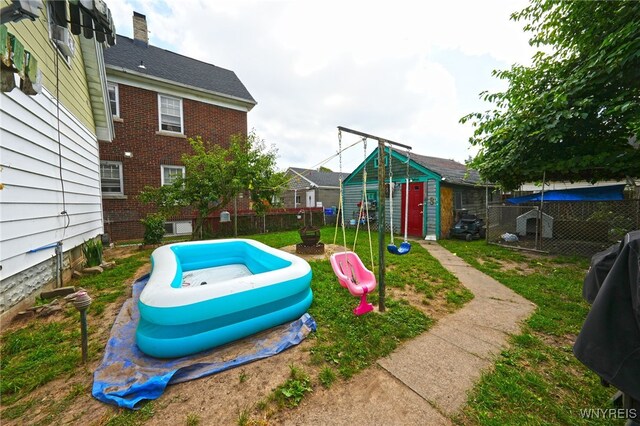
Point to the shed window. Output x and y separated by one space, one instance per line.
458 200
376 163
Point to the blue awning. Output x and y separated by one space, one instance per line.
594 193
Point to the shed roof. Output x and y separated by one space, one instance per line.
129 54
450 170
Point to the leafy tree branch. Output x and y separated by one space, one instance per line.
214 175
575 112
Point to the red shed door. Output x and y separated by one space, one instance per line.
416 198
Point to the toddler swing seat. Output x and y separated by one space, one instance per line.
354 276
405 247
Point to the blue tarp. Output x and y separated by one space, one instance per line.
127 376
595 193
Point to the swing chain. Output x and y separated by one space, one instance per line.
340 151
406 212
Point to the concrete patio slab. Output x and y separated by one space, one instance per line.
371 398
443 365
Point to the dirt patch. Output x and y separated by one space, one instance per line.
329 249
217 399
435 308
102 325
509 265
558 341
120 252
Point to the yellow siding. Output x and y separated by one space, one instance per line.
72 87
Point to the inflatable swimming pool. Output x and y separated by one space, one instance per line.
207 293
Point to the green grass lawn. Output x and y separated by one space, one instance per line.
349 343
537 381
342 346
35 355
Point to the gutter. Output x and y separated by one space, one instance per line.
248 103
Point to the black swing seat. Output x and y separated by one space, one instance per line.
404 248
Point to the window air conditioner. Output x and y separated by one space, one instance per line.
63 40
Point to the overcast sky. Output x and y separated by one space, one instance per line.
405 71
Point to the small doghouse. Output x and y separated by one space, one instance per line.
526 224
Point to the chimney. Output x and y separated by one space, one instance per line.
140 28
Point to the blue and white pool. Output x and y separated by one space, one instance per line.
207 293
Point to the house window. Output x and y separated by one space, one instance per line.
114 100
169 174
170 114
59 32
297 201
111 178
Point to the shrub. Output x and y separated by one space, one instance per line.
92 251
153 228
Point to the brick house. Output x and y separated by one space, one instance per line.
159 99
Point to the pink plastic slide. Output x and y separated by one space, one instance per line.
352 274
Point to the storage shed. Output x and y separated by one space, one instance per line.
439 190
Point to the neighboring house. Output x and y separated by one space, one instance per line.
159 99
311 188
49 165
439 189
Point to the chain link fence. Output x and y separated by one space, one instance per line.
568 227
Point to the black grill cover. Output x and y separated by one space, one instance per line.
609 342
601 264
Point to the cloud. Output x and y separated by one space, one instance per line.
405 71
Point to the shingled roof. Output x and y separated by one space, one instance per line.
320 178
450 170
129 54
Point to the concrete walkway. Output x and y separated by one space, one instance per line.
427 379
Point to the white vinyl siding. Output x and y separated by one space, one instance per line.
170 114
114 99
31 200
111 178
169 174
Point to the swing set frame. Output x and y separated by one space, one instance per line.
381 207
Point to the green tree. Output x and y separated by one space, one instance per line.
214 175
575 112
